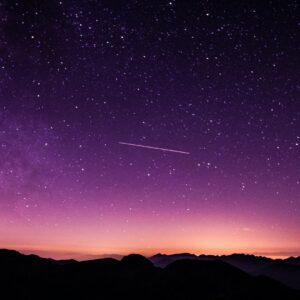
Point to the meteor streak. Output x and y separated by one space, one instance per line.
154 148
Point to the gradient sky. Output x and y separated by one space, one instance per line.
217 79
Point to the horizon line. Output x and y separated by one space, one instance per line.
81 256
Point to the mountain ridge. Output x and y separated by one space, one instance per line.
135 276
252 264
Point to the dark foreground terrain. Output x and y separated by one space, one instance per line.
134 277
286 271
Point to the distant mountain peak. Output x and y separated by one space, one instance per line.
136 261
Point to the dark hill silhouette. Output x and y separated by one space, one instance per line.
243 261
293 261
162 260
246 262
136 261
287 271
134 277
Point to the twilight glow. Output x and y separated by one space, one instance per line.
212 80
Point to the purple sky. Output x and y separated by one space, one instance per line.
216 79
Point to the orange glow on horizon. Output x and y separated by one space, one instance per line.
89 253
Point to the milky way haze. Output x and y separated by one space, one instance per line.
216 79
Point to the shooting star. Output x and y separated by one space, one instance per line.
154 148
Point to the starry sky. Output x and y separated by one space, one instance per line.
216 79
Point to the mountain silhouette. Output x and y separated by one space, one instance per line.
293 261
287 271
136 261
133 277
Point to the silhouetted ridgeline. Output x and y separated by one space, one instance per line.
287 271
135 277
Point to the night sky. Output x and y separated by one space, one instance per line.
218 80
